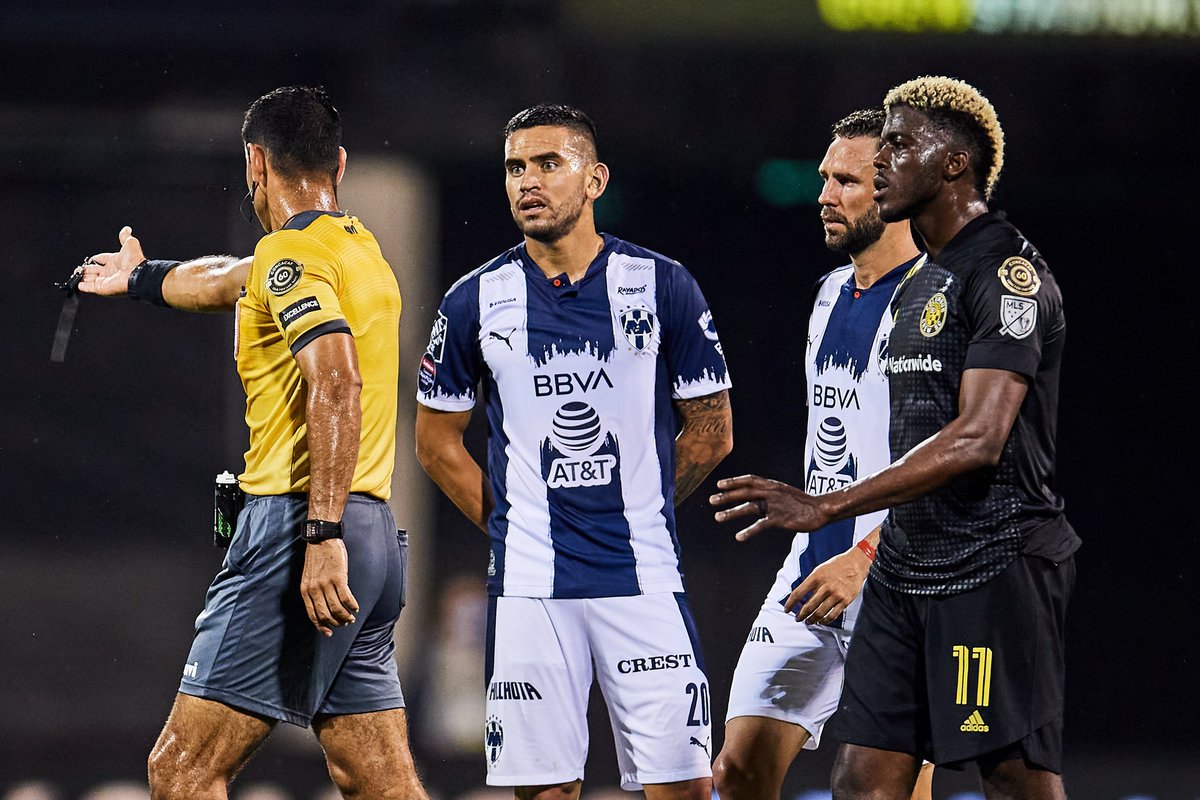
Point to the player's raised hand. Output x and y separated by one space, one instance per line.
772 504
108 273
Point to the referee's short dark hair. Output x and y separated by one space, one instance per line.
864 122
298 127
557 115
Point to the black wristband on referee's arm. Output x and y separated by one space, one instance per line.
318 530
146 280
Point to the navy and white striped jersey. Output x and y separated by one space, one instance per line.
848 411
578 381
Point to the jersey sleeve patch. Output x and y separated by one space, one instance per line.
283 276
1018 316
298 309
1019 276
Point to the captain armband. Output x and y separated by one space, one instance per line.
146 280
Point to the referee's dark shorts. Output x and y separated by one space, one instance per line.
951 679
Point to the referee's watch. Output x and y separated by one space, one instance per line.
318 530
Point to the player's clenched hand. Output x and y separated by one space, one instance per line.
773 504
325 587
830 588
108 273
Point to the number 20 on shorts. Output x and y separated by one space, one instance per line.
699 695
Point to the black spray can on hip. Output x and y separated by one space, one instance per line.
228 500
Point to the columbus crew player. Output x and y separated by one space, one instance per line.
586 347
976 525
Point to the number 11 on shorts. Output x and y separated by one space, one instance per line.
983 683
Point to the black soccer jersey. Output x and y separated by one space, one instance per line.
988 302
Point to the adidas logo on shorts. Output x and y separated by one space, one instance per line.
974 723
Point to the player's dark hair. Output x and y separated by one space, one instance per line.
864 122
298 127
553 114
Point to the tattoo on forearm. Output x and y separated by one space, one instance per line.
702 441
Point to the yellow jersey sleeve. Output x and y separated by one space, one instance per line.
298 279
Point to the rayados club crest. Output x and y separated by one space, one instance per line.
640 327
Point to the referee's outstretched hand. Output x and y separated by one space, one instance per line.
108 273
772 504
325 587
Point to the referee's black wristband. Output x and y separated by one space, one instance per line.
146 280
318 530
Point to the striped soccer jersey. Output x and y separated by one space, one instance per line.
578 381
848 410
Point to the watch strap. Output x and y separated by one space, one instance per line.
319 530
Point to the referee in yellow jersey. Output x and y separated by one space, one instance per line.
298 625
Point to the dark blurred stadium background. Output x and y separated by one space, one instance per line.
713 116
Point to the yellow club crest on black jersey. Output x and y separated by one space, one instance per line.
283 275
1019 276
933 318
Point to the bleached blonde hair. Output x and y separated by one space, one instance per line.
932 94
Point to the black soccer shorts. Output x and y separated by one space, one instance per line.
951 679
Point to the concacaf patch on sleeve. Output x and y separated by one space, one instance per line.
283 276
1019 276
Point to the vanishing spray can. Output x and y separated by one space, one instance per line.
227 503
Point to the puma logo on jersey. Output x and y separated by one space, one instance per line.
505 339
702 745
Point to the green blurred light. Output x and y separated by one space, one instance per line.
610 208
789 182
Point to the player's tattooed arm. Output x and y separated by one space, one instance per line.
705 438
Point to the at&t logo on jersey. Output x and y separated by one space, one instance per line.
832 466
493 739
575 437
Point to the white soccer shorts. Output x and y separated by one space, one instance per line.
650 669
789 671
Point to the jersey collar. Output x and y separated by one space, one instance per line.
298 222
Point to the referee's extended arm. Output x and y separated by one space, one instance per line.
209 283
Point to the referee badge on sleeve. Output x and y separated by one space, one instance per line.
283 276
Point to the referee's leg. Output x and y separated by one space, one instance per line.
368 755
202 746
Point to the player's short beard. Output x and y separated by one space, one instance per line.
860 235
551 231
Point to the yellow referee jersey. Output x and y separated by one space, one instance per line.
321 273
